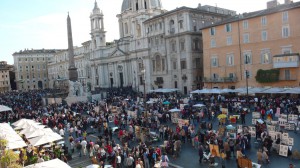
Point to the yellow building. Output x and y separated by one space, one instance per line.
268 40
4 76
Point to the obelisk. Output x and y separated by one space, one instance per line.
73 75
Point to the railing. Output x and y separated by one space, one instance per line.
292 64
220 79
288 78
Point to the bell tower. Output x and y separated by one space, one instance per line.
97 28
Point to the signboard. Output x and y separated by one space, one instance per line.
256 115
182 122
224 111
132 114
283 150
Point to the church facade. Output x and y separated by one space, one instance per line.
156 48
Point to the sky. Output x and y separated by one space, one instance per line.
37 24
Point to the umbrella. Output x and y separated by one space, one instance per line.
22 121
31 129
174 110
150 102
222 116
166 103
46 138
92 166
4 108
260 121
38 132
199 105
230 127
16 144
26 125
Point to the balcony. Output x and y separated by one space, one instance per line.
294 64
289 60
288 78
220 80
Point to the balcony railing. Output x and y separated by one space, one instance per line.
293 64
288 78
220 80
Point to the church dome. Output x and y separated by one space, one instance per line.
126 5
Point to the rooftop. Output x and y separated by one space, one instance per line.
244 16
34 51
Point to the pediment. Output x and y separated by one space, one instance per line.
118 52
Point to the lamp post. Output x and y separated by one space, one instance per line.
144 85
247 76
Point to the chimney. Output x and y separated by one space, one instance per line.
272 4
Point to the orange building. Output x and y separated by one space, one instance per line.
263 45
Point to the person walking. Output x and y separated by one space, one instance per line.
164 160
200 153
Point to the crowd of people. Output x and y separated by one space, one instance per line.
117 142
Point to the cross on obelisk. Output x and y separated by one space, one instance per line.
73 75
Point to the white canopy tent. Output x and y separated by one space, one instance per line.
164 90
31 129
203 91
46 138
273 90
4 108
14 140
292 91
38 132
55 163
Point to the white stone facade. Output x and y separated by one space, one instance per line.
4 76
163 48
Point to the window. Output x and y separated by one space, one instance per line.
174 65
196 44
160 25
265 56
247 58
285 16
182 46
246 38
264 35
285 31
197 63
212 31
247 74
214 61
215 76
181 24
183 64
231 75
173 45
163 64
230 60
286 50
213 43
245 24
229 40
126 28
264 21
228 27
287 74
153 65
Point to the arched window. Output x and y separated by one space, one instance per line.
137 5
158 63
138 30
126 28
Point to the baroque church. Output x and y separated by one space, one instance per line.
156 48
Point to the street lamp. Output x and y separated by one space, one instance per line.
144 84
247 57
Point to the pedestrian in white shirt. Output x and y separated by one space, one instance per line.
84 143
119 160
